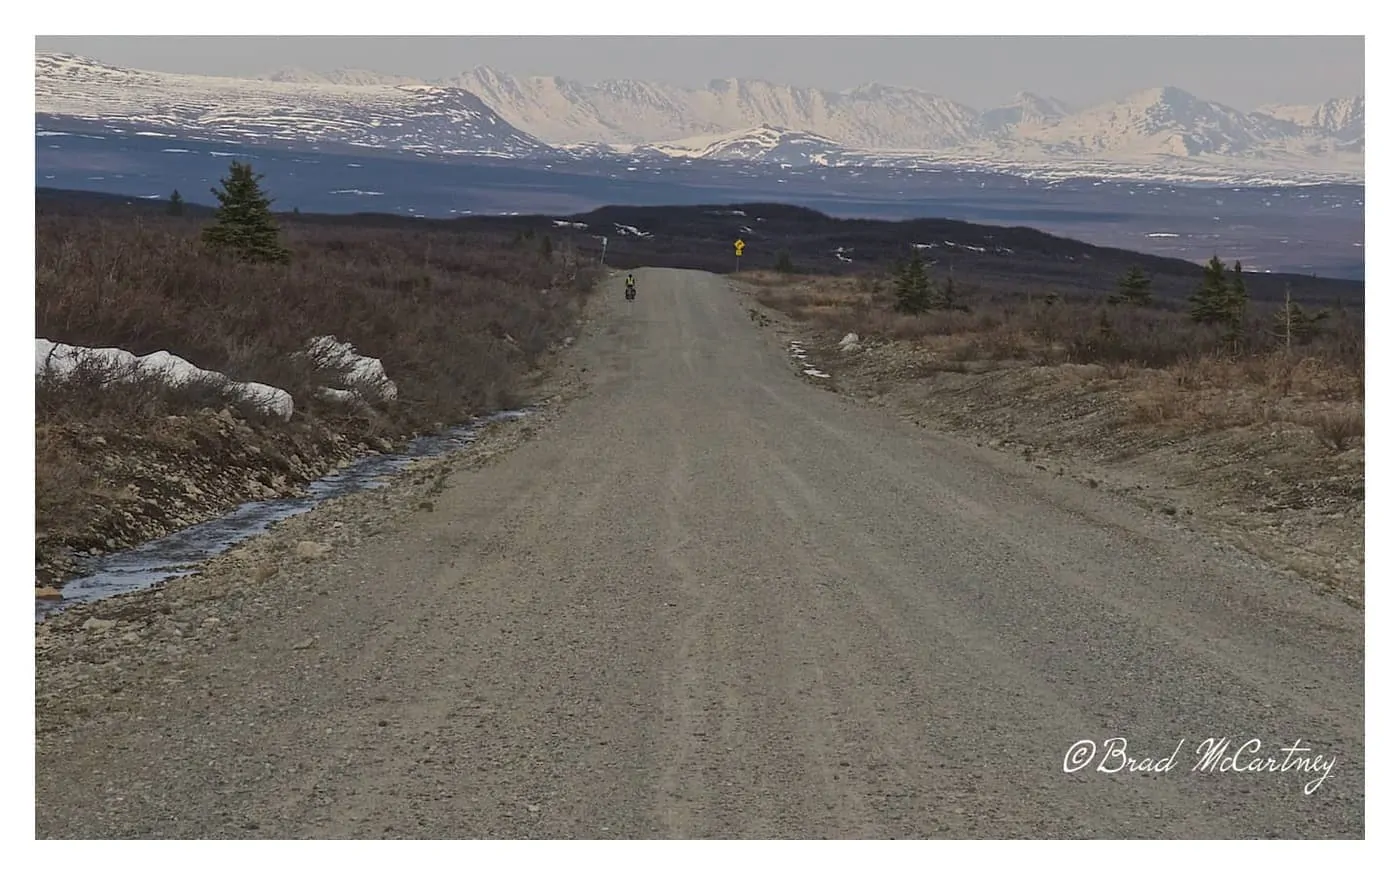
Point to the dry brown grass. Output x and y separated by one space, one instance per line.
1337 428
457 319
1122 341
1264 445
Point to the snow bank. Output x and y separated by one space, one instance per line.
60 360
360 375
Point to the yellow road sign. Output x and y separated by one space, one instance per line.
738 247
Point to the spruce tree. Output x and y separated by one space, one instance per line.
912 291
1210 303
1294 325
1133 288
1236 302
176 207
946 296
784 263
243 224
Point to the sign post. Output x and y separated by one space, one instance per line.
603 259
738 251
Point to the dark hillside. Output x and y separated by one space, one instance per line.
1004 260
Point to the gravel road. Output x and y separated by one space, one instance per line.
707 599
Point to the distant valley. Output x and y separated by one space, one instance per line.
1307 229
1278 188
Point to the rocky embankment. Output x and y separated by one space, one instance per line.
150 482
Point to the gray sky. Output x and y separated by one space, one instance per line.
982 72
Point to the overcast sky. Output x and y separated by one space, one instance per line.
982 72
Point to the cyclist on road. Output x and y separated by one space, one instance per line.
631 286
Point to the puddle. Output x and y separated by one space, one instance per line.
181 553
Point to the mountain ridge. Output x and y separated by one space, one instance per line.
726 105
488 112
285 106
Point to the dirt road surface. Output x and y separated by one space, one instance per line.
709 599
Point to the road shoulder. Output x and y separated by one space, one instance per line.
148 628
1264 491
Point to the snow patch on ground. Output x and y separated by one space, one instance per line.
797 352
628 229
359 375
59 361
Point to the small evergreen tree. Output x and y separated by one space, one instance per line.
912 291
1210 303
784 263
946 296
1236 303
243 224
546 247
1293 324
1239 295
176 207
1133 288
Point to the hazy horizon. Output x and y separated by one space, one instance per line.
1241 72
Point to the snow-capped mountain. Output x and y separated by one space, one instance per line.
1161 131
338 77
1141 128
1157 121
1025 109
1343 118
624 111
764 144
288 107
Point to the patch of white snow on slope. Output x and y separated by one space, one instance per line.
59 361
359 374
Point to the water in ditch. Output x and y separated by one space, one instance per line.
181 553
